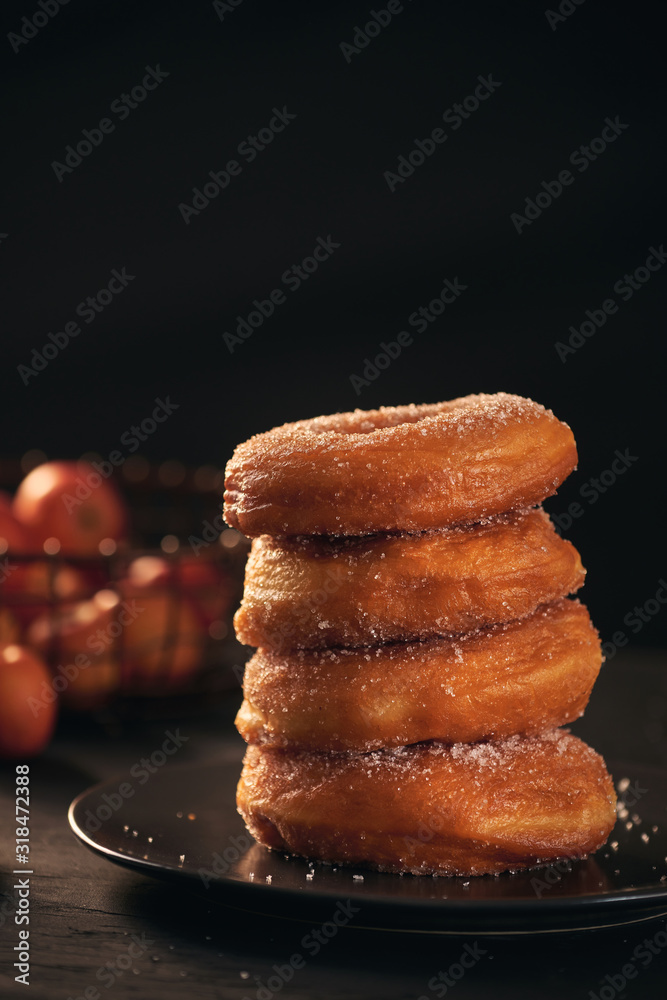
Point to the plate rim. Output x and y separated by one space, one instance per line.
519 907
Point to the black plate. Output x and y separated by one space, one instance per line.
183 825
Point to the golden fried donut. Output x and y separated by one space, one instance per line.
467 809
317 592
399 468
523 677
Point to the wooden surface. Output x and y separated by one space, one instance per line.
84 910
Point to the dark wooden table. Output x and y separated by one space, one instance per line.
85 912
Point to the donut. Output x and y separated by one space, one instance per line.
318 592
432 809
400 468
522 677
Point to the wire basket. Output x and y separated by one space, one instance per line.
145 620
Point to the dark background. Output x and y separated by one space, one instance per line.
324 175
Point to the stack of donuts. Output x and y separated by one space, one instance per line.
417 648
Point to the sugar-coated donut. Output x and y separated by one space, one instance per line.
402 468
467 809
523 677
318 592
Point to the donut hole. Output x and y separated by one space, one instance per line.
370 421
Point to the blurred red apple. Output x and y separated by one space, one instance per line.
208 586
72 502
94 686
147 573
30 588
82 627
198 578
10 631
28 703
164 641
82 642
13 536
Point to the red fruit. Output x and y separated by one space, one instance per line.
207 585
13 536
28 704
83 642
29 588
72 502
201 580
9 628
148 572
94 687
164 643
74 629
